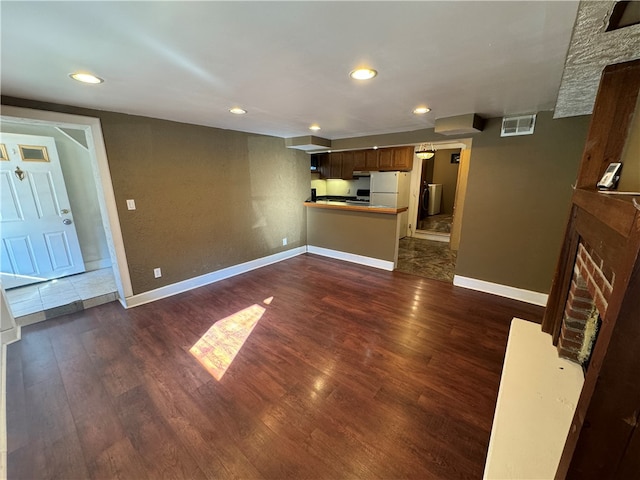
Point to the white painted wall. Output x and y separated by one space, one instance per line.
80 182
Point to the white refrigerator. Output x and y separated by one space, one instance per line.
391 189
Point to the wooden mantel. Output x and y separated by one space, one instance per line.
604 438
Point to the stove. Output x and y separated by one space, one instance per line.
363 195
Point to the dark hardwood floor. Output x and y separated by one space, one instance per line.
351 372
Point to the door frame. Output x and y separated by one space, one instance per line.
464 144
100 166
460 197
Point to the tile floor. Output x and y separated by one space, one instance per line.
41 301
428 253
440 223
427 258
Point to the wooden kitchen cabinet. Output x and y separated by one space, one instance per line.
365 160
403 158
385 158
348 163
330 165
371 160
359 160
396 158
343 164
324 166
335 165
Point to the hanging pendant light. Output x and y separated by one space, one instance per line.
424 153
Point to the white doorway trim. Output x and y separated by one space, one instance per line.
435 237
102 176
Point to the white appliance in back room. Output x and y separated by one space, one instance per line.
391 189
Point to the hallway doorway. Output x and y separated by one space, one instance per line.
431 248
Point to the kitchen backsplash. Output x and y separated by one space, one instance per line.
338 187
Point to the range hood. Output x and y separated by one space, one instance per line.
308 143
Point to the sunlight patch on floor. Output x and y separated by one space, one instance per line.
218 347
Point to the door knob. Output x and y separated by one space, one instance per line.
66 221
64 211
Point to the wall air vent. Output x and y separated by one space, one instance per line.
522 125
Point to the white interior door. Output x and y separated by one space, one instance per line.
39 239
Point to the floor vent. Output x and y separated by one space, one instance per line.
522 125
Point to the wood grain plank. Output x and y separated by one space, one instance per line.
351 372
120 461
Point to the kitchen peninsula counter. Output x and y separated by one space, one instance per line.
365 234
354 207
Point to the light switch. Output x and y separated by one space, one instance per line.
131 205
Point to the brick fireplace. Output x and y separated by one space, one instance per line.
603 238
591 287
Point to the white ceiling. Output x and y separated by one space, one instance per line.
287 63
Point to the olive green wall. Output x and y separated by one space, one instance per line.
372 235
206 198
517 202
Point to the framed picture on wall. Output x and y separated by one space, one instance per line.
455 158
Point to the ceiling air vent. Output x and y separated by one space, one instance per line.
522 125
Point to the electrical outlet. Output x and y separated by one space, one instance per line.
284 241
157 273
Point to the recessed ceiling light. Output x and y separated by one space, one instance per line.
421 110
238 111
363 74
86 78
314 127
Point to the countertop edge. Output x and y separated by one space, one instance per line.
358 208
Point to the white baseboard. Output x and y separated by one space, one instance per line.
202 280
10 335
442 237
352 257
97 264
514 293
